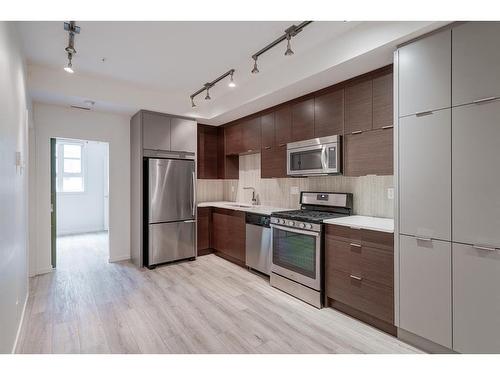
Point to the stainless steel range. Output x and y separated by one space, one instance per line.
298 244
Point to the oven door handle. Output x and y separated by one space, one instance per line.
295 230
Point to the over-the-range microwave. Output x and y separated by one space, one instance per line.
313 157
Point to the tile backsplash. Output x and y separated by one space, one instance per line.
370 192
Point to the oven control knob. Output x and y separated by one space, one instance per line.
303 225
282 221
309 226
291 223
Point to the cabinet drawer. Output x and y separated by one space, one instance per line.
344 233
364 295
365 237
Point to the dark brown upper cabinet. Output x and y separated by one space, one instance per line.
303 120
358 107
267 131
329 114
207 151
273 162
383 101
283 125
227 165
250 130
233 139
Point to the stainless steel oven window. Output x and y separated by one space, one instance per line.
295 252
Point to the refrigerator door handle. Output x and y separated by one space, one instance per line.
190 221
194 194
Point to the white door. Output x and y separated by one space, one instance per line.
476 177
476 300
106 186
425 288
476 62
425 74
425 175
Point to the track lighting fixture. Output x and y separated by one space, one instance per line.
207 86
72 29
291 32
288 51
255 70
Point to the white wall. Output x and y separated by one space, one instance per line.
84 212
52 121
13 187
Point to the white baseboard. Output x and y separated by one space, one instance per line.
44 270
21 321
118 258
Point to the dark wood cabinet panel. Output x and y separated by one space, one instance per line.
358 107
303 120
233 139
207 151
203 229
267 131
251 137
229 233
329 114
369 152
273 162
227 165
383 101
283 125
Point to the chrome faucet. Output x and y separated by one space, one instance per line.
254 197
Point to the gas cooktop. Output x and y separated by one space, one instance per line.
312 216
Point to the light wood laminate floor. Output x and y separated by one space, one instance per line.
205 306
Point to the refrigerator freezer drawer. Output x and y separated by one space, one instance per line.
171 241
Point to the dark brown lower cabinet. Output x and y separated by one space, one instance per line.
369 152
204 230
359 274
229 234
273 162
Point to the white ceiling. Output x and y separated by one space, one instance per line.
157 65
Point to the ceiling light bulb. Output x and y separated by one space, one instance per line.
288 51
69 68
255 70
231 82
208 96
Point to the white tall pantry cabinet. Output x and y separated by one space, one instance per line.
448 186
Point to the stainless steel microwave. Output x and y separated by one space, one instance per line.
318 156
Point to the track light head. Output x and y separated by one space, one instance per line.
193 104
207 97
288 51
69 68
231 81
255 69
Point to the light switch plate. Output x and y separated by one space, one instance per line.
390 193
294 190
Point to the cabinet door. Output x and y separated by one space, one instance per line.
273 162
476 300
207 151
233 140
251 135
329 114
219 231
383 114
358 107
425 175
183 135
267 131
476 62
476 159
155 131
303 120
425 74
236 234
369 153
203 228
283 125
425 289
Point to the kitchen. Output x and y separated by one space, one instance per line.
285 206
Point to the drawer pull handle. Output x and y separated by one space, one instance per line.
388 127
355 228
357 132
267 147
423 239
484 100
479 247
355 244
425 113
356 277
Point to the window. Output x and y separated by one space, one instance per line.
70 167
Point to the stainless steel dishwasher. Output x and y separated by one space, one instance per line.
258 242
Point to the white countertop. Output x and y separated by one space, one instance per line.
259 209
364 222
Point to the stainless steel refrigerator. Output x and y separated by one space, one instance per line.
171 210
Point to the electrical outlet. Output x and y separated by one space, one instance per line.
294 190
390 193
232 189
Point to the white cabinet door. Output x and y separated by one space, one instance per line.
425 175
476 62
183 135
476 300
425 74
425 289
476 176
155 131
